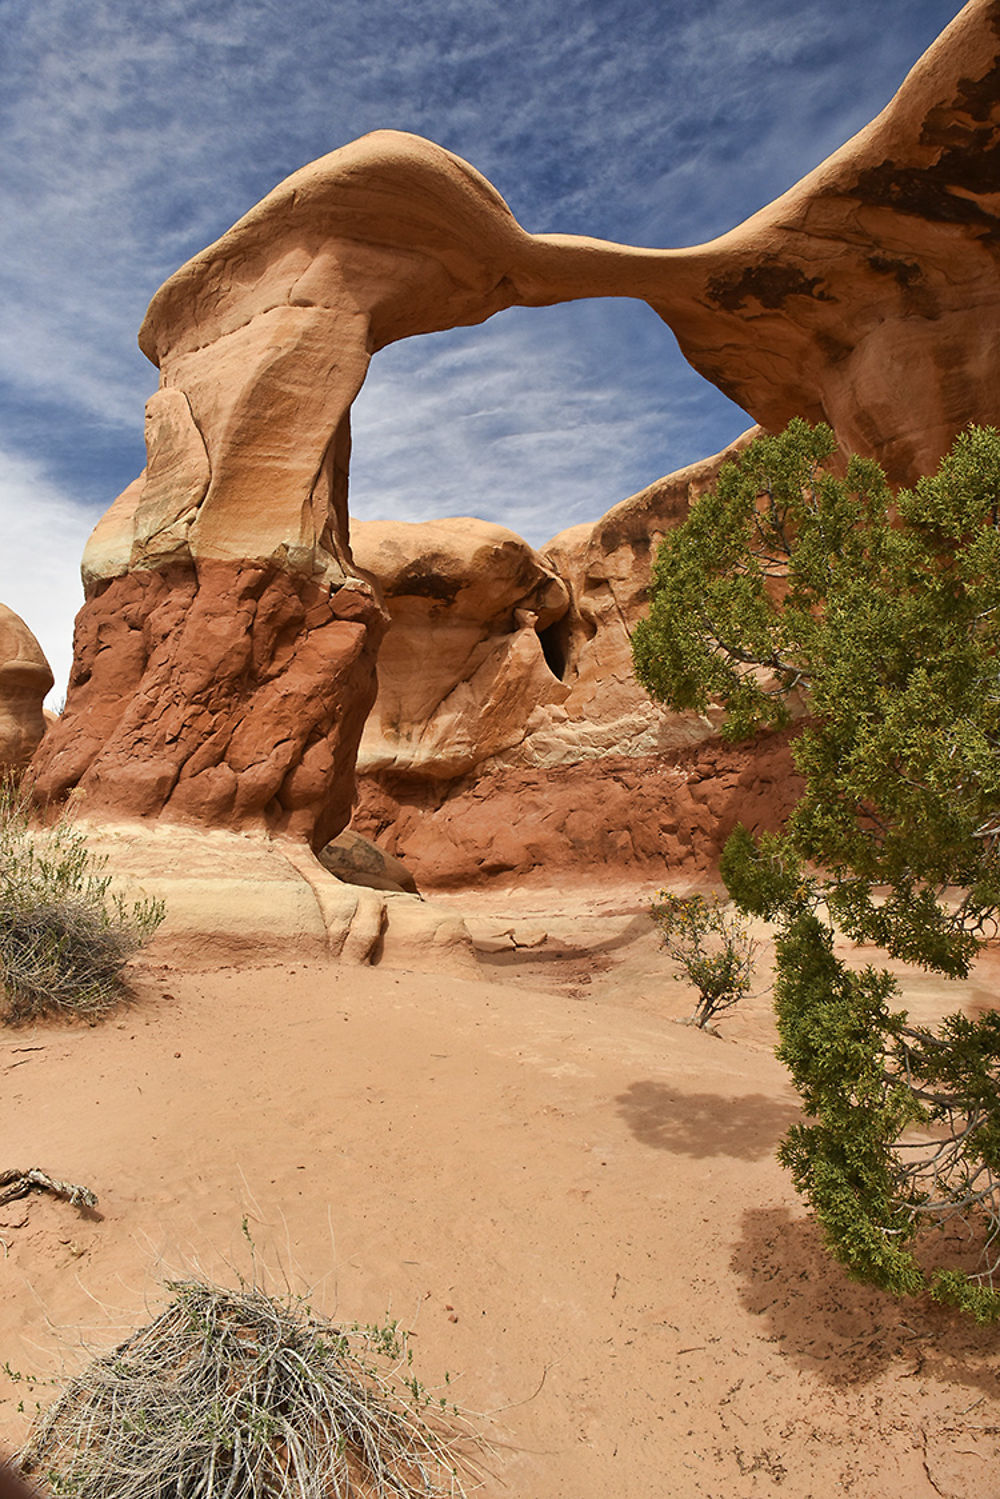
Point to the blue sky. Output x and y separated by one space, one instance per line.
133 134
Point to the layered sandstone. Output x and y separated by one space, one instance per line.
606 568
499 655
637 817
587 774
867 296
25 678
221 694
234 897
225 655
464 664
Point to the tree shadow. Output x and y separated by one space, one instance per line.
843 1332
705 1124
13 1484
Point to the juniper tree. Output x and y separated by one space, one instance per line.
873 619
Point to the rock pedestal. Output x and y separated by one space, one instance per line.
224 695
25 678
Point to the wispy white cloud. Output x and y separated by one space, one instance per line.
538 419
44 533
131 135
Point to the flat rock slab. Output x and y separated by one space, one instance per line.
239 897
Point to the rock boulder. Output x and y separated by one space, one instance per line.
25 678
463 667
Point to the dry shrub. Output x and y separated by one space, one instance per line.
241 1395
710 942
64 941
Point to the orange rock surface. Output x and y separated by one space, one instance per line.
225 655
25 678
510 736
463 665
509 743
652 817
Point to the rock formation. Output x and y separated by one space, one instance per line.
355 860
225 655
500 655
580 773
867 296
627 817
463 665
606 568
25 678
231 897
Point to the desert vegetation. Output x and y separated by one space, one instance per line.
65 938
792 592
229 1394
710 943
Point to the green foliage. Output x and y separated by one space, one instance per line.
64 940
789 586
230 1394
761 877
712 946
793 594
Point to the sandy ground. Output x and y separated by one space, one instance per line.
570 1199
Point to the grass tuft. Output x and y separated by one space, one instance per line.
241 1395
64 941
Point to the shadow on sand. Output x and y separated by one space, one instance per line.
704 1124
844 1332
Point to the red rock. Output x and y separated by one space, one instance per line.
204 697
358 861
617 816
25 678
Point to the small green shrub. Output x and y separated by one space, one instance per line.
711 943
239 1395
64 941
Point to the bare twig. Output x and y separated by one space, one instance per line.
15 1184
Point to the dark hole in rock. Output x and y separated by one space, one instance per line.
554 642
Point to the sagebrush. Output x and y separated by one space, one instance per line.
711 943
237 1394
65 939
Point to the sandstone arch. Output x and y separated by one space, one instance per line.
224 658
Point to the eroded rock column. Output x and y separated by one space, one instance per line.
225 695
25 678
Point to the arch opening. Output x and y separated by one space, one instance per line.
538 419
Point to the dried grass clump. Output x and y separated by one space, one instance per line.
240 1395
64 941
